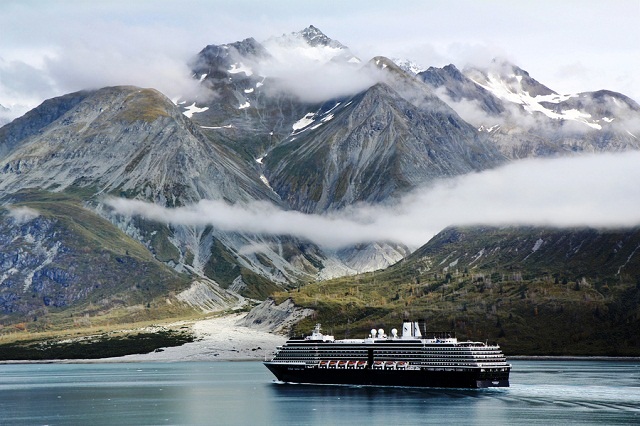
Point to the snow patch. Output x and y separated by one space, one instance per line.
477 257
244 105
327 118
537 245
264 180
193 109
240 67
500 88
228 126
489 129
303 122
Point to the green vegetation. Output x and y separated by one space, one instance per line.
143 105
101 346
525 317
557 305
222 265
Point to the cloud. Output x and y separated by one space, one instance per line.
22 214
69 48
313 74
594 190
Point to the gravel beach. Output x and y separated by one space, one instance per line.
217 339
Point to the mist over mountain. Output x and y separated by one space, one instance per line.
293 161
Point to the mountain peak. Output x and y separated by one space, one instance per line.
314 37
311 36
503 73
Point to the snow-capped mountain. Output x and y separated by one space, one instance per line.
526 118
408 65
311 44
374 146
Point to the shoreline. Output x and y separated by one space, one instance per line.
216 339
223 339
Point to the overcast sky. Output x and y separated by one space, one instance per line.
49 48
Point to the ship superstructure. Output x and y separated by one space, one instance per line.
409 359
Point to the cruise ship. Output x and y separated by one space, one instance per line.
409 359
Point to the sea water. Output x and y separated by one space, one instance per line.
244 393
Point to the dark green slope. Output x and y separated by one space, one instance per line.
536 291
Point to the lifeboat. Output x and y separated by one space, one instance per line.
352 365
342 364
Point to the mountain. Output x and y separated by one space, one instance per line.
536 291
408 66
297 122
135 143
5 113
371 147
62 265
122 140
526 118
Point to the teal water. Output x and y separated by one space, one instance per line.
244 393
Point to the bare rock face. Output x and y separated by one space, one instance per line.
123 140
373 147
274 318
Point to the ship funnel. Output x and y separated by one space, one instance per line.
411 329
416 330
406 329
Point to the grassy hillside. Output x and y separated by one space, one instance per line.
65 267
577 293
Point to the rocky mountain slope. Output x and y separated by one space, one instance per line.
62 265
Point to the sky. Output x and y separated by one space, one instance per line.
48 48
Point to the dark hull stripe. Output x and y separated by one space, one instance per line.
470 378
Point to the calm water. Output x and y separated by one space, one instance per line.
243 393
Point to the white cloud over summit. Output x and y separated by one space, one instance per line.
587 191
